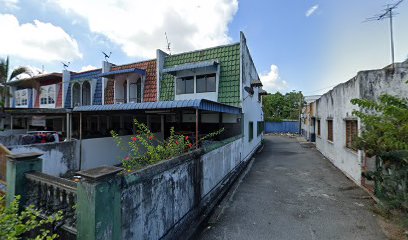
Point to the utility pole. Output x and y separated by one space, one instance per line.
388 13
300 112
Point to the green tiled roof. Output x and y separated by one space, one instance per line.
228 57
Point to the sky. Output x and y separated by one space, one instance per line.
300 45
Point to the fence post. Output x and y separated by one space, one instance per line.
17 166
98 204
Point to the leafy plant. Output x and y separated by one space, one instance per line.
145 149
385 136
16 224
385 122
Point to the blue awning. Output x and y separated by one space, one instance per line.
123 71
190 66
201 104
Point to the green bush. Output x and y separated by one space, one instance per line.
16 224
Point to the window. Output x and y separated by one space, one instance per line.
47 95
185 85
318 127
76 95
206 83
21 97
251 131
86 93
351 133
330 130
260 127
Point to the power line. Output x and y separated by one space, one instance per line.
388 13
322 89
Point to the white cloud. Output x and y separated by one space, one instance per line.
138 26
36 41
10 4
87 68
272 82
311 10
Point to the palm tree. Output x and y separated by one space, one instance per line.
5 78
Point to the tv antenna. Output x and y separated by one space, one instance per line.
65 65
388 13
168 43
107 56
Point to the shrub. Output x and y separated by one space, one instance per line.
16 224
155 150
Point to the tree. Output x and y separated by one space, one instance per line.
385 124
385 136
278 106
5 78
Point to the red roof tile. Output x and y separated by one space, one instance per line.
150 87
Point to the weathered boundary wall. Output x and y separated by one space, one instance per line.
11 140
167 200
58 158
335 105
96 152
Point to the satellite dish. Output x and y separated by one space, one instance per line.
249 90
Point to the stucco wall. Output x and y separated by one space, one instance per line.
96 152
168 196
251 107
58 158
336 104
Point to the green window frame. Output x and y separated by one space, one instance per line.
250 131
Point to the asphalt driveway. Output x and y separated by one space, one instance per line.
293 192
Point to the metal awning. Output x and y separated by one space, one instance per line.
123 71
29 111
201 104
190 66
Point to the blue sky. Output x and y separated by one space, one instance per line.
296 45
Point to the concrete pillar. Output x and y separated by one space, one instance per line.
17 166
98 204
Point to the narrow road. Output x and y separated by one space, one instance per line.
292 192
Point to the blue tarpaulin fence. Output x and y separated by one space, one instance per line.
282 127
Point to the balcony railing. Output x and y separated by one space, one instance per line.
51 194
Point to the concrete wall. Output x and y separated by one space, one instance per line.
166 199
96 152
58 158
218 163
336 105
251 106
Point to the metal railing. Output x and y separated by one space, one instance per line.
51 194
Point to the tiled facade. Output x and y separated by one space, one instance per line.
229 59
93 78
150 89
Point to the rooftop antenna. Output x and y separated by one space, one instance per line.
168 43
107 56
65 65
388 13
